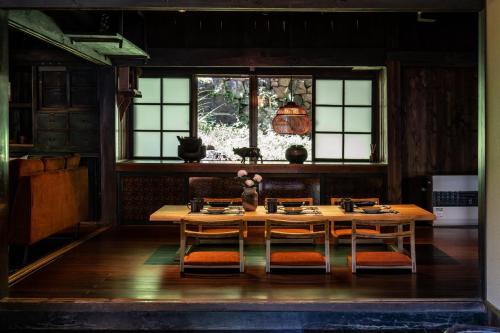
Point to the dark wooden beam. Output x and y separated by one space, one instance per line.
107 88
394 137
265 57
4 150
256 5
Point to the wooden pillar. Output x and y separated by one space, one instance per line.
107 108
394 137
4 149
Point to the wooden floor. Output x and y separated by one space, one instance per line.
114 265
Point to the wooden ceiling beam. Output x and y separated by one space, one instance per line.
256 5
39 25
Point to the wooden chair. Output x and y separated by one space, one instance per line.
344 231
307 202
388 259
212 259
293 259
233 201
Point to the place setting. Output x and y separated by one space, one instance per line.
290 208
197 206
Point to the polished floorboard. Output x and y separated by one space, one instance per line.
114 265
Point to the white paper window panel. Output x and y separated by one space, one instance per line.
150 89
147 144
357 146
328 119
176 90
358 119
358 92
328 92
328 145
170 143
147 117
176 117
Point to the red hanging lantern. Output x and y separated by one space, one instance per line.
291 119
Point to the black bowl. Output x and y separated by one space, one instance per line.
292 203
219 203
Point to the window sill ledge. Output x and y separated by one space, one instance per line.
146 166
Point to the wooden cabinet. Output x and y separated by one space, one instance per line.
52 121
49 140
67 117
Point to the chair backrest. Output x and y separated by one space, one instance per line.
223 233
398 223
232 200
336 201
306 224
307 201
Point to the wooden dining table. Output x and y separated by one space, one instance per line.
175 213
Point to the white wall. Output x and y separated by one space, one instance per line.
493 152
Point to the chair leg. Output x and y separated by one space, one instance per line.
182 248
327 255
353 255
268 256
400 239
242 256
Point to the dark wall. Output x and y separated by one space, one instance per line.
439 125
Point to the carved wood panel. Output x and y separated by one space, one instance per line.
355 186
141 195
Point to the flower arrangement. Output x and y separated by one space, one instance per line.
248 181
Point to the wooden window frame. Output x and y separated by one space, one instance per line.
375 121
161 104
253 74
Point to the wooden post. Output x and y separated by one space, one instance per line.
4 150
107 92
394 172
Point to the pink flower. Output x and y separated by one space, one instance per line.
242 173
257 178
249 182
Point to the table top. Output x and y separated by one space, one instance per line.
175 213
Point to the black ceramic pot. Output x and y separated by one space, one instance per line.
191 149
296 154
190 144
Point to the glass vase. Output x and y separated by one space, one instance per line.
250 199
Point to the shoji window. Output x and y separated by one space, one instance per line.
160 115
344 116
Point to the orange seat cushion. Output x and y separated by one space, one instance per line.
54 163
297 258
348 232
381 259
215 258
